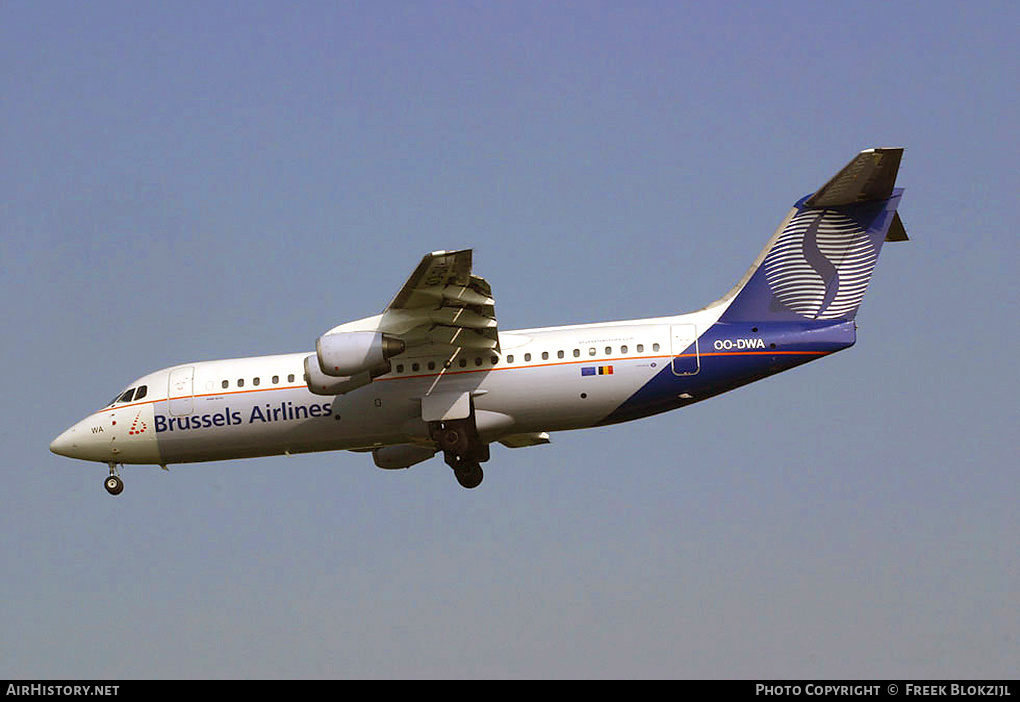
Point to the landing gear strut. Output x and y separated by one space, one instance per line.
462 450
454 439
113 484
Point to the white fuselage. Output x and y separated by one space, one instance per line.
541 380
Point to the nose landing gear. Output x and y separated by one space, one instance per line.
113 484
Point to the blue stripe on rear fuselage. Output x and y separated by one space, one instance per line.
735 354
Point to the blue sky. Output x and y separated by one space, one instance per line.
187 181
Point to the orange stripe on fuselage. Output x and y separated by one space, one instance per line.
483 370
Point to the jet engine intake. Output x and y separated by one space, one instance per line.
321 384
350 353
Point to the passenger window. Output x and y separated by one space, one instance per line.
478 360
591 351
276 380
623 349
141 392
655 347
545 355
255 381
494 359
463 363
290 378
226 384
609 350
559 354
577 353
640 348
400 367
510 358
415 366
240 382
432 365
527 357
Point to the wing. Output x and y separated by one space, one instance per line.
443 308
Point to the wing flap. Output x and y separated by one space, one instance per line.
443 305
436 270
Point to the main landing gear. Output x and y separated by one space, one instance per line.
468 473
462 450
113 484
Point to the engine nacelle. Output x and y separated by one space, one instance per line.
321 384
350 353
402 456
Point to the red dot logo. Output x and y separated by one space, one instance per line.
137 426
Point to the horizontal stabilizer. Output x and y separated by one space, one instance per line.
871 175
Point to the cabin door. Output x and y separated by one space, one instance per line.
685 349
181 391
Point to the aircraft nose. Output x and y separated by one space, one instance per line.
64 444
99 437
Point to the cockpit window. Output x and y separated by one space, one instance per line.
129 395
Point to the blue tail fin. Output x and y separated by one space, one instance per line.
818 263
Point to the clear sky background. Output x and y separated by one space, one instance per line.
188 181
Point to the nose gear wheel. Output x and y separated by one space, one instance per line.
113 484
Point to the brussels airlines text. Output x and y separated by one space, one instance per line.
285 411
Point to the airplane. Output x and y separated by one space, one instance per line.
434 374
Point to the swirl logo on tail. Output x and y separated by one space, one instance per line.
820 266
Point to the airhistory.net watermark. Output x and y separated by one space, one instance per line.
41 690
